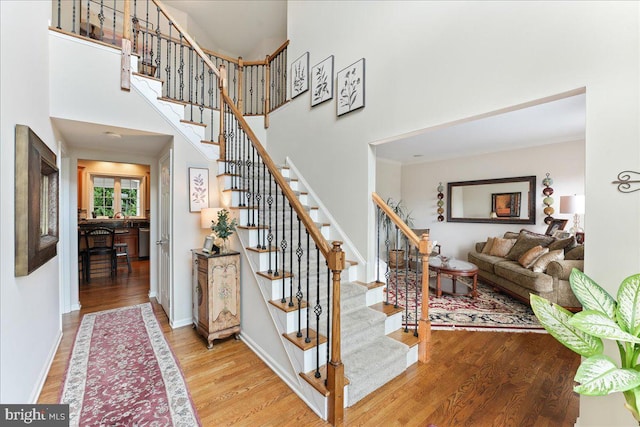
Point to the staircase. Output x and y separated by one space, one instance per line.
339 336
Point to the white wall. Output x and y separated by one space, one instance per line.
430 63
388 179
71 87
420 180
30 324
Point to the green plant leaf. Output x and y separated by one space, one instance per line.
629 304
597 324
555 320
591 295
599 375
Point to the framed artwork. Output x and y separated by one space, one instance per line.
36 202
580 238
506 204
555 225
300 75
198 189
207 246
350 83
322 82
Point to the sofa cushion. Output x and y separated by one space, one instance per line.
527 240
575 253
511 235
524 277
540 265
501 247
484 262
487 247
528 258
565 244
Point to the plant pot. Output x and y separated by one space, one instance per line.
396 258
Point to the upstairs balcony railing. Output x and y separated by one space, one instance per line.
256 87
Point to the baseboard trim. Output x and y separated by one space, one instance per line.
264 356
180 323
43 375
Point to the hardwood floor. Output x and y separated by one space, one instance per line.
473 379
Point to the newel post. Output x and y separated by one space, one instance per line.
125 59
335 368
424 324
222 83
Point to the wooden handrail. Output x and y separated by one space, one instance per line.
317 237
404 228
188 38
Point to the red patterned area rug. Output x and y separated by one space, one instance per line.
491 311
123 373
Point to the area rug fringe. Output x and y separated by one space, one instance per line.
123 372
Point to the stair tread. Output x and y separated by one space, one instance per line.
407 338
387 309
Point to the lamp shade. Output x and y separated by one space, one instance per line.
572 204
207 215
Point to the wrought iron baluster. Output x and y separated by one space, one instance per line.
211 91
270 235
255 173
101 19
318 312
378 219
114 22
290 252
202 91
181 69
88 31
262 82
283 242
146 41
308 277
299 295
191 82
159 52
406 285
387 244
250 88
167 68
136 28
197 79
275 222
59 15
395 246
243 167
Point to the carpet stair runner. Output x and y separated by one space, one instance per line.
370 357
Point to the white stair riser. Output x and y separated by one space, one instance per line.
393 323
305 360
288 321
375 295
412 355
272 289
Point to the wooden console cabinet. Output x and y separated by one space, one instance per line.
216 295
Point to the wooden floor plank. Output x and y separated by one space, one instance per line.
474 378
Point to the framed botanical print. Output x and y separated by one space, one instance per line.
300 75
198 189
322 82
350 91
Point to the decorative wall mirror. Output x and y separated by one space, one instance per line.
497 201
36 202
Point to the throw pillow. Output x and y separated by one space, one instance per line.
527 240
487 246
528 258
540 266
575 253
501 247
511 235
569 243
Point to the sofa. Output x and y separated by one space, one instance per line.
524 263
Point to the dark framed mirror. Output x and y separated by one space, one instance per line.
498 201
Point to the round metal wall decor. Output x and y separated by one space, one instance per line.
548 200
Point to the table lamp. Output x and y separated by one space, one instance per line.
207 215
573 205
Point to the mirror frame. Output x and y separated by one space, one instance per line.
503 220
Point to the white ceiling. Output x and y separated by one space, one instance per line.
552 122
238 26
94 137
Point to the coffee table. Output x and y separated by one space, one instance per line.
454 268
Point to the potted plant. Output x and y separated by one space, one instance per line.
602 318
223 229
396 239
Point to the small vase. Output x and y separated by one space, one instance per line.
225 246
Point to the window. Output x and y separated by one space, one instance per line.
116 195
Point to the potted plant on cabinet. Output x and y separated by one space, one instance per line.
602 318
396 239
223 229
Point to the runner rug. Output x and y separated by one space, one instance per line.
122 372
491 311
